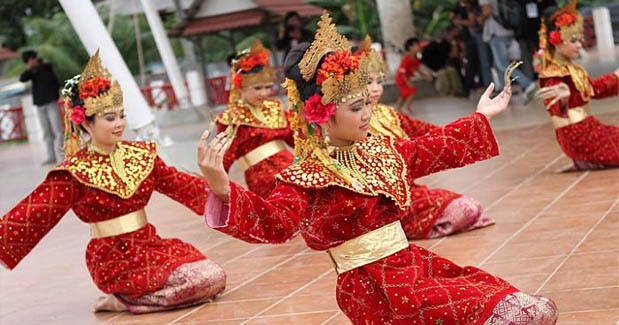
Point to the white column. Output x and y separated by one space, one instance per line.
604 34
93 34
396 21
167 55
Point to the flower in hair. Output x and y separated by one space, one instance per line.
247 63
78 114
316 112
237 81
554 37
337 65
565 19
94 87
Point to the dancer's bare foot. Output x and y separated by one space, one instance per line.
109 303
566 169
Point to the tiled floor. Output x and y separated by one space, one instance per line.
556 234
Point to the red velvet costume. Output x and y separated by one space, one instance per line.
252 133
588 142
427 204
412 285
132 264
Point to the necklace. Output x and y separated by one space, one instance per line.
117 160
348 158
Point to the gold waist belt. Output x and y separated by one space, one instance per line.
369 247
261 153
121 225
574 115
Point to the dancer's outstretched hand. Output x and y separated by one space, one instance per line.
558 92
210 160
492 107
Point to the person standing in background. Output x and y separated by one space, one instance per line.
45 94
291 33
529 41
500 39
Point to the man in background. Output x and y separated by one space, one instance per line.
45 94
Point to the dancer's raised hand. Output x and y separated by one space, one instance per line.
210 159
492 107
558 92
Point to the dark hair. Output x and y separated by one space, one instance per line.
410 42
29 54
230 58
90 119
550 24
291 14
292 71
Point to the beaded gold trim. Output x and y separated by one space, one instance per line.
120 172
270 115
385 121
375 164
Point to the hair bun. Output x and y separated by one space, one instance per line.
292 71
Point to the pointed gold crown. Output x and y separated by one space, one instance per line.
352 85
375 61
326 40
109 101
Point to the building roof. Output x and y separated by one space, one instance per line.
213 16
6 54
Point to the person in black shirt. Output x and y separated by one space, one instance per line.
45 94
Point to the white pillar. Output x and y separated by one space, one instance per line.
604 34
93 34
396 21
167 55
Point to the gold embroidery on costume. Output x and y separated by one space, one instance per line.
374 163
576 72
270 115
120 172
385 121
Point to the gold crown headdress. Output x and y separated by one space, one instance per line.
375 61
564 25
90 93
326 40
340 76
242 66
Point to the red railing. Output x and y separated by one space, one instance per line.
163 96
12 124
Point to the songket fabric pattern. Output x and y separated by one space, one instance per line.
251 134
589 143
429 207
412 285
188 285
132 264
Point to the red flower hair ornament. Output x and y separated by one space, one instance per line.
78 114
554 37
316 112
565 19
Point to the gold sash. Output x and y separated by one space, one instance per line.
369 247
120 225
261 153
574 115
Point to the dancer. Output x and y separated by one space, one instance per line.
348 192
432 212
108 182
567 89
256 122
